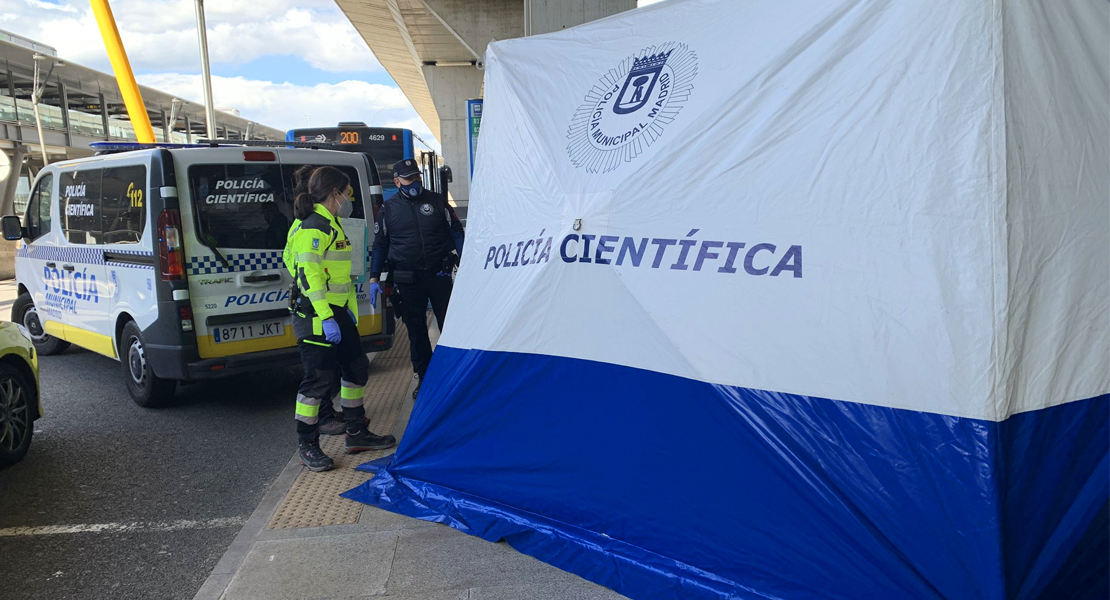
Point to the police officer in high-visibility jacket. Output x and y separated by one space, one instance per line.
325 317
417 231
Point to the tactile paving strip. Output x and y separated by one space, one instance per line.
314 500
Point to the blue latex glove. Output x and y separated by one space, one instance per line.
375 291
331 331
352 313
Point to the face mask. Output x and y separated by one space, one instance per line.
346 207
412 190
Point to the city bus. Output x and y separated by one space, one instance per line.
386 145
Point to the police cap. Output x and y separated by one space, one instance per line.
406 168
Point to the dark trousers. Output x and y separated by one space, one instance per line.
415 296
330 369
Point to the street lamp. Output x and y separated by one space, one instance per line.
36 97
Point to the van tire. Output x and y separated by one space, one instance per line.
145 388
24 313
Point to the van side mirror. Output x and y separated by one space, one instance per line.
11 227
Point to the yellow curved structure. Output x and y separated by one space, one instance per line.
132 99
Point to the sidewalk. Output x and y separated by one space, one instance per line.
305 542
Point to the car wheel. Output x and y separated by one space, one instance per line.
24 313
17 414
144 387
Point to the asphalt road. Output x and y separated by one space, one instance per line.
137 503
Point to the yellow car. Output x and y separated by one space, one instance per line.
20 405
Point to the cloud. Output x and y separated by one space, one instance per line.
288 106
58 6
160 35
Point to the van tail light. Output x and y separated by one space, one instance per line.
259 156
186 314
169 245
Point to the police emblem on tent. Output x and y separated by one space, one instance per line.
627 110
640 83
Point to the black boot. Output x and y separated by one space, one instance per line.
332 425
314 458
419 380
364 440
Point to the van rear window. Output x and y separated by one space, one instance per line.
250 205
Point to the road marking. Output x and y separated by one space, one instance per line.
123 527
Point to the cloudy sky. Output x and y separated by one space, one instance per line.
282 63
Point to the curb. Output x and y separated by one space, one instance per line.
218 580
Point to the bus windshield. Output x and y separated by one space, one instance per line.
386 145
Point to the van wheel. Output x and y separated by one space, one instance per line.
24 313
17 409
144 387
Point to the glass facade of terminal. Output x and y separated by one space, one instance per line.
64 108
69 108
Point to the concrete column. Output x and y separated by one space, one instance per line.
545 16
450 88
10 181
474 25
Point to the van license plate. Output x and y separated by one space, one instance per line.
248 331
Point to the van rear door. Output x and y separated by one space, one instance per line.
235 219
234 222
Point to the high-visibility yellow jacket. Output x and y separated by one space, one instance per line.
318 256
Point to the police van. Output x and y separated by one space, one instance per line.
169 259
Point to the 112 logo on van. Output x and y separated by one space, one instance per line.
135 195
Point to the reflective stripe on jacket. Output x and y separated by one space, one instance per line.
318 256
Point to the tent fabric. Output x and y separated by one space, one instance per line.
791 299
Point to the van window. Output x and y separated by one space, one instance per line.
37 219
123 204
241 206
79 206
358 211
250 205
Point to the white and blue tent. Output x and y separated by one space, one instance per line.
786 299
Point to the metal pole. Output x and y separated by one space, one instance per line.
206 72
104 117
65 113
175 112
36 95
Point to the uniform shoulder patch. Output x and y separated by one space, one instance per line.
315 243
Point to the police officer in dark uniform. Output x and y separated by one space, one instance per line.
420 235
